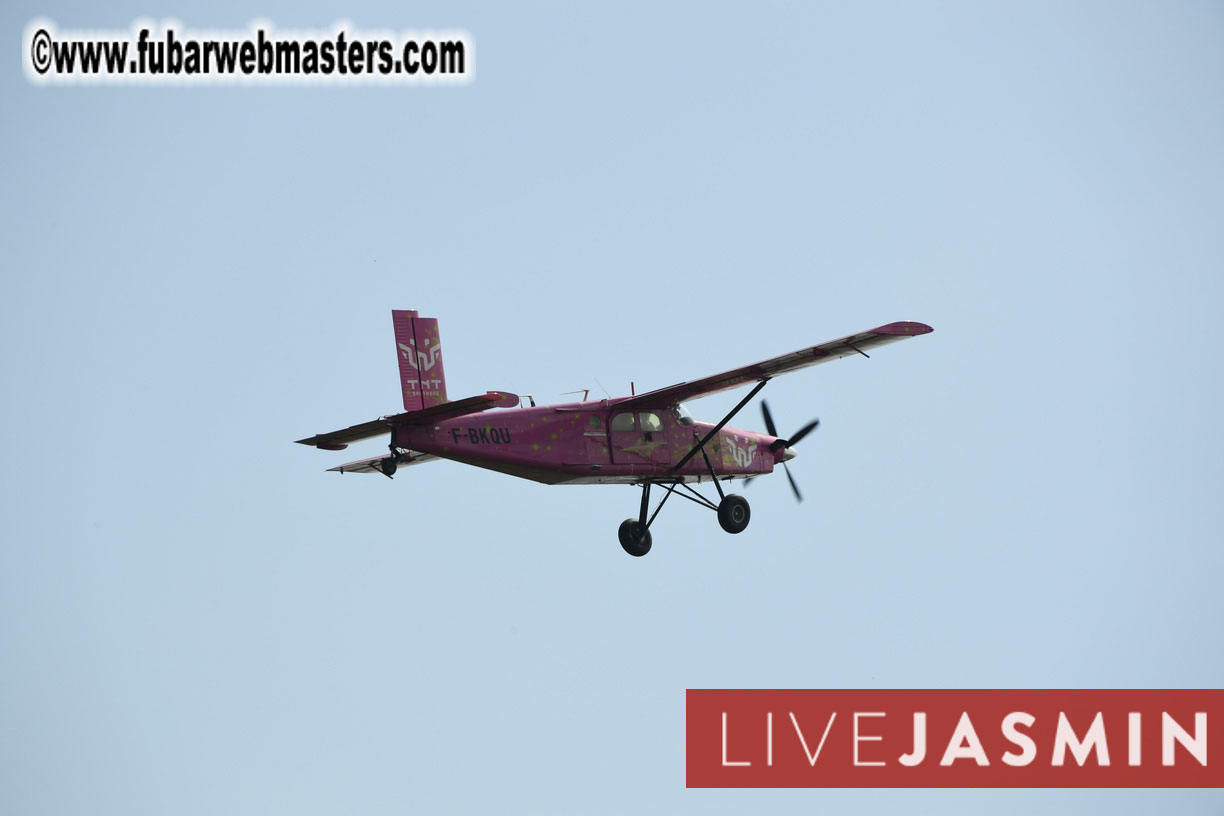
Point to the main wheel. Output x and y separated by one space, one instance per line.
634 537
734 513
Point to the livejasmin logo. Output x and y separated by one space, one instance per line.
965 744
952 738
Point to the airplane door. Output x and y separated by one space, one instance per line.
639 438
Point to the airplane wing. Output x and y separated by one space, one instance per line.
404 458
859 343
339 440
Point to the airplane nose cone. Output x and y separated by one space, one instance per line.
788 454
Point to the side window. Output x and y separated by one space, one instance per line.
650 422
593 423
622 422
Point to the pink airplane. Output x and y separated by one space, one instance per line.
643 439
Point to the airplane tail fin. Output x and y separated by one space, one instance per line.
419 350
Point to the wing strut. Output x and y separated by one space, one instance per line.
700 445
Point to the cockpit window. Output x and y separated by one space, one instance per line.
650 422
682 415
622 422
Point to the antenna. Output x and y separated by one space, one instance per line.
601 387
586 392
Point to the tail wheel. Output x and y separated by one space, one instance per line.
634 537
734 513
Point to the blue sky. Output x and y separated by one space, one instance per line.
195 618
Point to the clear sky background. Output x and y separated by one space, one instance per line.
195 618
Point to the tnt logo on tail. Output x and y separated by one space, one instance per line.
420 360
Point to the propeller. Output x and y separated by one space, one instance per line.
781 444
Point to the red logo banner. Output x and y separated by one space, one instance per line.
946 738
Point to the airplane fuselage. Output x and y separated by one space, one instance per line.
592 442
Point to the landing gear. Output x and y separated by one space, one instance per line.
634 537
734 513
634 534
388 466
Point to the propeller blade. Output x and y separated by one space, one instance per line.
780 443
794 487
802 432
769 423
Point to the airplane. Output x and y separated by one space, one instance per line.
647 439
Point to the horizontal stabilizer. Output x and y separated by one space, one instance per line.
376 464
339 440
